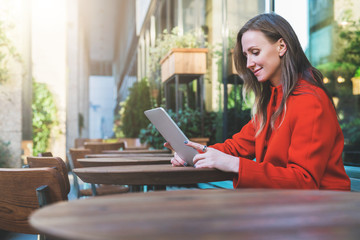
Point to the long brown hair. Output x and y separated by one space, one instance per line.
294 65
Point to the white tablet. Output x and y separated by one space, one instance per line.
172 133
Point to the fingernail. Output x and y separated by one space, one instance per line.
185 164
186 142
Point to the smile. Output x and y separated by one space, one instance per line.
256 71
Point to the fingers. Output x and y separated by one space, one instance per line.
176 161
196 146
198 157
167 145
203 164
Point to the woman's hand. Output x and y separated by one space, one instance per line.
212 158
176 161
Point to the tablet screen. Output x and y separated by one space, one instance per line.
172 133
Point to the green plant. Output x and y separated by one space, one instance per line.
342 90
152 137
239 110
351 130
7 52
189 121
44 117
333 70
132 117
5 154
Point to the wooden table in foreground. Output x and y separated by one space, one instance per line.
105 155
122 161
206 214
160 174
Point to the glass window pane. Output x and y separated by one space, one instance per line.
332 43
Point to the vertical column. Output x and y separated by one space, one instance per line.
176 93
225 66
12 13
202 99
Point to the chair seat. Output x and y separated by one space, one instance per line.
105 190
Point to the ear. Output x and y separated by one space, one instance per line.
282 48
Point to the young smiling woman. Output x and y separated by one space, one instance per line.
294 133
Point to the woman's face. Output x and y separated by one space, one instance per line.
263 57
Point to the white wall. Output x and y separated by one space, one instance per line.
49 59
102 100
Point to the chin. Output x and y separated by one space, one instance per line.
261 80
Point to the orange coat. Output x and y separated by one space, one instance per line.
303 153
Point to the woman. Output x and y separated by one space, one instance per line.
294 133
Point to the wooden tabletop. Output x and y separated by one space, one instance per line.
163 174
206 214
107 155
155 151
122 161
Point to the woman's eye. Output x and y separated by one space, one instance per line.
256 52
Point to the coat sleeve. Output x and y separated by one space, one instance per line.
242 144
314 130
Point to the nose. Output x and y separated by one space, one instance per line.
249 62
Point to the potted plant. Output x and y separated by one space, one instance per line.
177 53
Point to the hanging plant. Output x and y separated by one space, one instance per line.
44 117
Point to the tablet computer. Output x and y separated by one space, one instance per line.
172 133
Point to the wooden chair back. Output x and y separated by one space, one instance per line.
52 162
75 154
18 198
79 142
97 148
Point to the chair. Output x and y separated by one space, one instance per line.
24 190
73 156
79 142
52 162
97 148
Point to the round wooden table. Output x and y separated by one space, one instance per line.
142 151
123 161
206 214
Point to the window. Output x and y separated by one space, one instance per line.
331 42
